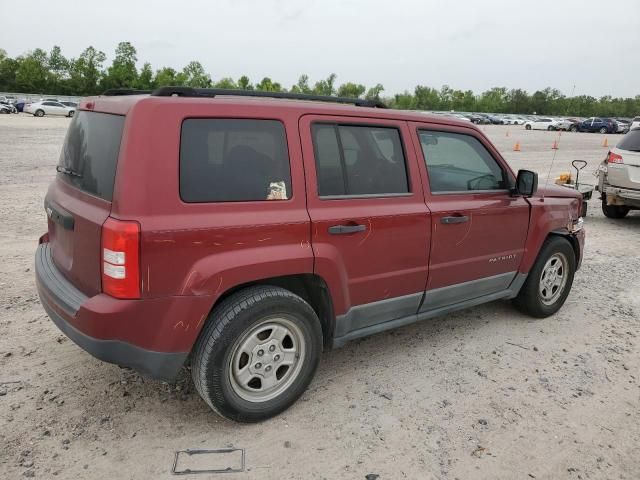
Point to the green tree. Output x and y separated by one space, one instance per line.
227 83
145 78
195 76
123 72
167 76
374 92
349 89
268 85
325 87
244 83
303 85
86 72
58 71
8 70
33 72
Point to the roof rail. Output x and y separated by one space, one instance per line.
116 92
213 92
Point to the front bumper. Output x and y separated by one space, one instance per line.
152 336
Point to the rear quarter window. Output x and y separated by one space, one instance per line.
233 160
91 150
631 141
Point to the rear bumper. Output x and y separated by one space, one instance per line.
622 196
152 336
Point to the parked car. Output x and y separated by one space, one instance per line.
40 109
563 124
20 103
635 123
544 123
460 116
262 234
511 120
597 124
479 119
495 119
7 107
619 177
623 125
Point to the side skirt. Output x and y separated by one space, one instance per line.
510 292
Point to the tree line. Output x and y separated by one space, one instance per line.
52 73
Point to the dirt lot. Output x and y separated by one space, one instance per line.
485 393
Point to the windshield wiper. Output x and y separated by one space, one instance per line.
68 171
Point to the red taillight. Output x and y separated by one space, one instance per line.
121 258
614 158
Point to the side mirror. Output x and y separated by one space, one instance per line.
526 183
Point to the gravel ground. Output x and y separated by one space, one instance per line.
485 393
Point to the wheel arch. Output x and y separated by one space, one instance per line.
573 241
310 287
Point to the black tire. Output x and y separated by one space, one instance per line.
228 324
39 113
529 299
549 128
573 129
71 113
527 127
603 130
614 211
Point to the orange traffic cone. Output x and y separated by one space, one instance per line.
516 147
555 145
605 143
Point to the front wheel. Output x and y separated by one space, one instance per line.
257 353
527 127
574 129
550 279
614 211
603 130
71 114
39 113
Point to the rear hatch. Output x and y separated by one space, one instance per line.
79 200
623 169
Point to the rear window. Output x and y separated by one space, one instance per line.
631 141
233 160
90 152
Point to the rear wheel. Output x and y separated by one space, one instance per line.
528 127
614 211
257 353
603 130
71 114
39 113
573 129
549 281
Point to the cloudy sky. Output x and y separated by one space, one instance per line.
400 43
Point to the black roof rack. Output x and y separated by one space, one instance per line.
213 92
116 92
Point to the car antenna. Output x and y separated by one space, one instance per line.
555 151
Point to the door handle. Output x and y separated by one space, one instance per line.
454 219
346 229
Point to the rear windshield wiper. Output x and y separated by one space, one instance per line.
68 171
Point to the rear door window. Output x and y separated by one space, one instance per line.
459 163
359 160
90 152
233 160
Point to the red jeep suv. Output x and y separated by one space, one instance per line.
241 233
